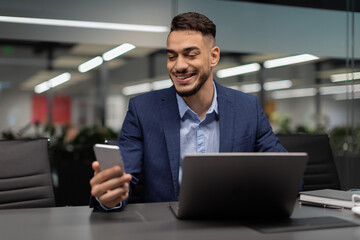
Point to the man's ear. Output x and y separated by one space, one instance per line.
214 56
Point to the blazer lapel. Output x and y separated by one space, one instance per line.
226 118
171 121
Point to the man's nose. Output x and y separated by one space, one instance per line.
181 64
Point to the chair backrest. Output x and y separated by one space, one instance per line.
321 170
25 175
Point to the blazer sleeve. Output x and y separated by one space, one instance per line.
266 141
131 142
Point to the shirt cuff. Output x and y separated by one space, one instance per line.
109 209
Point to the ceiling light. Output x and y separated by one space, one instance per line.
85 24
93 63
294 93
115 52
339 89
289 60
251 88
228 72
42 87
235 87
136 89
146 87
162 84
345 76
275 85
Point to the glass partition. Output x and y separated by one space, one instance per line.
300 93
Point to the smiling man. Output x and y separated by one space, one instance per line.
195 115
191 57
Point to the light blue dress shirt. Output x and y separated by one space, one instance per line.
198 136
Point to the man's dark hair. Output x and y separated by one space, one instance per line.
193 21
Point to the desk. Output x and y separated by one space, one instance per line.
151 221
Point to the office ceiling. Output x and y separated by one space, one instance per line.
26 63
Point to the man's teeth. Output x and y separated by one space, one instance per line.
182 78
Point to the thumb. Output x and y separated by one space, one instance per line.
95 166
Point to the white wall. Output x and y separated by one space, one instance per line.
302 111
116 108
15 110
337 112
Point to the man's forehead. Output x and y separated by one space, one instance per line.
186 39
184 35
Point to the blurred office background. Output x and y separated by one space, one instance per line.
319 93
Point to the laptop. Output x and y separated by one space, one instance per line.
239 185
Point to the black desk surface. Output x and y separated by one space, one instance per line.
153 221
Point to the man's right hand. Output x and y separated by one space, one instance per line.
107 188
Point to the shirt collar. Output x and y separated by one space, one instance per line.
183 107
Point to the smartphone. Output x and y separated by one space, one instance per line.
108 156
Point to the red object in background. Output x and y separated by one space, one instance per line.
39 109
61 109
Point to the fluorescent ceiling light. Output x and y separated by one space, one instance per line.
289 60
228 72
146 87
345 76
294 93
268 86
93 63
85 24
162 84
115 52
275 85
42 87
339 89
136 89
235 87
251 88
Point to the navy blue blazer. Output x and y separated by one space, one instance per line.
150 136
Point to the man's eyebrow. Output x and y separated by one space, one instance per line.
188 49
170 51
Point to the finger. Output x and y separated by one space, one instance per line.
104 175
114 197
101 188
111 184
95 166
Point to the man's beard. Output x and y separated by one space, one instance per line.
198 86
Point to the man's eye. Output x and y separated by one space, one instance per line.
171 57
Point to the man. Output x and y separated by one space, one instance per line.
194 115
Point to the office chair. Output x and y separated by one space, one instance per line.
321 170
25 176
